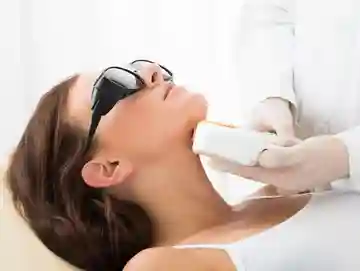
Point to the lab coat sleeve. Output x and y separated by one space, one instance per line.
351 139
264 51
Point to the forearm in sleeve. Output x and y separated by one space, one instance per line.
265 51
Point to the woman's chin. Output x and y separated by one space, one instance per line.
199 107
197 113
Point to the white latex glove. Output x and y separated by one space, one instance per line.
312 163
273 114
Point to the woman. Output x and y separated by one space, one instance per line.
97 191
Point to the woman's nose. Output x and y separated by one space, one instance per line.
152 75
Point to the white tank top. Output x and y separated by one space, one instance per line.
323 236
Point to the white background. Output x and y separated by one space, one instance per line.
43 41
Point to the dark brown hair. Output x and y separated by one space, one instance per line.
83 225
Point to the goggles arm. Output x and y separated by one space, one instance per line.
95 119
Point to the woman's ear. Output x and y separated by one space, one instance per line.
100 174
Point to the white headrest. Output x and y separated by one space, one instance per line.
20 249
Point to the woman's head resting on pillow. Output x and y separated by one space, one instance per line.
90 208
140 131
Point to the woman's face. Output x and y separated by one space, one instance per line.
145 126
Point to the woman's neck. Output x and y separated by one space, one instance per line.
186 202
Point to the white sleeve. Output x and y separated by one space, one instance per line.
351 139
264 61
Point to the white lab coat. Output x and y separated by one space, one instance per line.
308 52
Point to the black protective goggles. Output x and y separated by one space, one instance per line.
115 84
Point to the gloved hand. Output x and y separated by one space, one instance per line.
312 163
273 114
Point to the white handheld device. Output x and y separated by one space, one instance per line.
230 143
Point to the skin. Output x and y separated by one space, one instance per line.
145 156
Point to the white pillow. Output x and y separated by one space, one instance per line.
20 249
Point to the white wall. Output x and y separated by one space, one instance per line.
11 100
45 40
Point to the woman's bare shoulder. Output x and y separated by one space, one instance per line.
168 258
